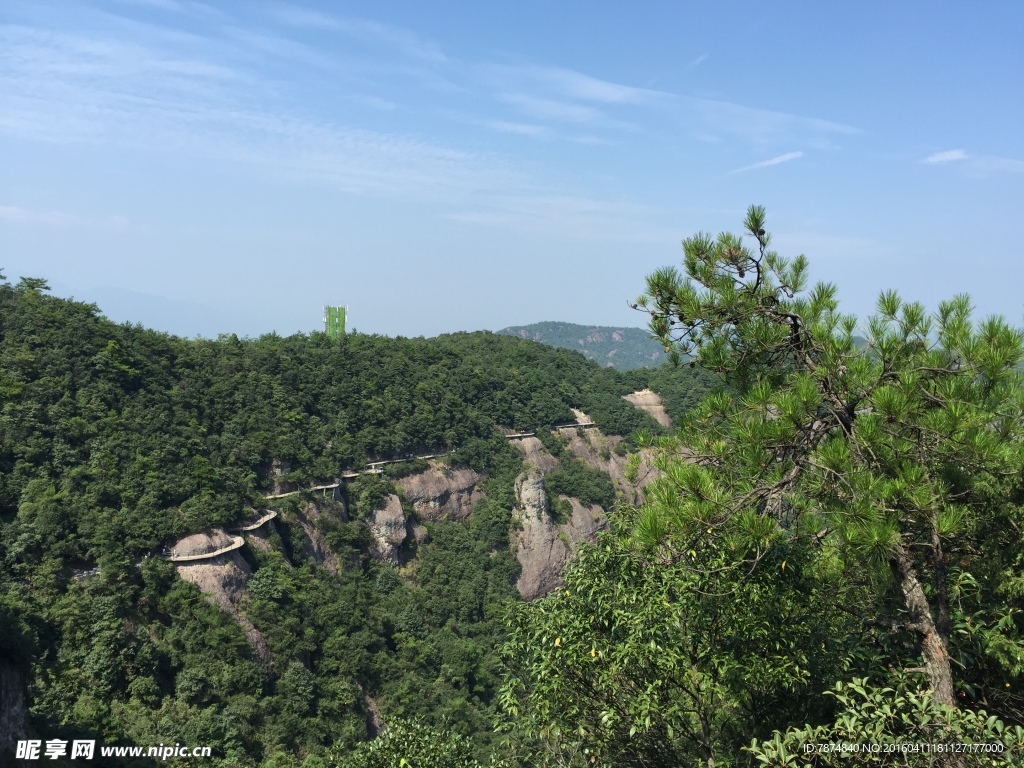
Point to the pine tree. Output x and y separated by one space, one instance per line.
902 453
845 511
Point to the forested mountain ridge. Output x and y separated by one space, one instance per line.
616 347
118 441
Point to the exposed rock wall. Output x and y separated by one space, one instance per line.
590 446
222 579
277 470
442 493
12 707
259 539
543 547
389 528
535 454
649 401
315 546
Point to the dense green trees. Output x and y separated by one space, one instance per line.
115 440
842 510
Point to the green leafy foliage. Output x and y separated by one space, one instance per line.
898 725
640 663
411 744
841 512
116 440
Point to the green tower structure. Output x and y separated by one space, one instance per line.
334 321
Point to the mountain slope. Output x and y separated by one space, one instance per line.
609 346
385 600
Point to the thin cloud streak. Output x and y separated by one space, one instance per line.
523 129
949 156
978 165
400 39
698 61
789 156
17 215
204 98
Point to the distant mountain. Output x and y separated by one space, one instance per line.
611 346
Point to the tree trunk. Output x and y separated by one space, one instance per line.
931 641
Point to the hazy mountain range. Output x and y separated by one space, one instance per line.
611 346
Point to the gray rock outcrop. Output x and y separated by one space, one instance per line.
314 545
222 579
542 546
389 529
12 707
442 493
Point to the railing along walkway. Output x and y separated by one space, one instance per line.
271 514
236 543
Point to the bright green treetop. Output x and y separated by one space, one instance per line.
842 507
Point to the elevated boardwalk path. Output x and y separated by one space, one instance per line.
303 490
377 467
237 542
271 514
372 468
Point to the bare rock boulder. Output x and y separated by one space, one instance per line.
442 493
389 528
542 546
222 578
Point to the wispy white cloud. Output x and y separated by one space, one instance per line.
698 61
560 215
214 96
566 95
163 5
523 129
980 165
14 214
577 85
306 18
283 47
553 109
948 156
789 156
66 87
755 125
591 141
402 40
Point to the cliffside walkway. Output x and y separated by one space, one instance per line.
237 542
372 468
271 514
377 467
569 425
327 487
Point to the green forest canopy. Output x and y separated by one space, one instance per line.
117 439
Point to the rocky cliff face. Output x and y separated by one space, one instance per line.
389 528
598 451
542 546
650 402
314 546
442 493
222 579
12 707
277 470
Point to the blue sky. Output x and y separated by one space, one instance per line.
231 167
